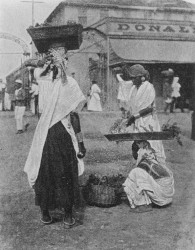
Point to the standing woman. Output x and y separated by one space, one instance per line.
175 94
94 103
168 76
54 161
150 181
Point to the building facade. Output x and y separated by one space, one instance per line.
158 34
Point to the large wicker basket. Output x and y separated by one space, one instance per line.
46 37
101 195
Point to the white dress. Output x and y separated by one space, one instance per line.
149 182
94 103
176 87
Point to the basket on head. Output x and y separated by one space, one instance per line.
167 73
46 37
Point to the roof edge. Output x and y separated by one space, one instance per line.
115 6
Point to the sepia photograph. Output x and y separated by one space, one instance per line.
97 125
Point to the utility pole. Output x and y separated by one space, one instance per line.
192 104
33 2
109 91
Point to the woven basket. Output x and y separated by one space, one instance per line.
101 196
46 37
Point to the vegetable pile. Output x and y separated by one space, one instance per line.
174 128
114 181
118 127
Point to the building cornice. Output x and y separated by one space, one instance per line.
119 7
137 20
115 6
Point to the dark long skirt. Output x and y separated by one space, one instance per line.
57 182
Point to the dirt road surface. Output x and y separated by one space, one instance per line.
113 228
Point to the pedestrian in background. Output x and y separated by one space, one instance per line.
20 107
167 93
94 103
176 96
2 95
167 88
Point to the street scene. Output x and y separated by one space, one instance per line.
97 125
171 227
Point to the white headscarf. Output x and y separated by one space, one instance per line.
63 100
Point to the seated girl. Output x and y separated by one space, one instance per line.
150 181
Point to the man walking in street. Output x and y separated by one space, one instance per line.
20 107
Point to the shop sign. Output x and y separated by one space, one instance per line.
168 30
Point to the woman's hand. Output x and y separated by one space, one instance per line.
59 58
130 120
82 150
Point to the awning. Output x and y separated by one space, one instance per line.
151 51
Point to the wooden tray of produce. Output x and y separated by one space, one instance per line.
163 135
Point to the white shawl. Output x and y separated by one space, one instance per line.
142 97
63 100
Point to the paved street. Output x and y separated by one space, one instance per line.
114 228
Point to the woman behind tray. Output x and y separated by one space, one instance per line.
54 161
151 181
